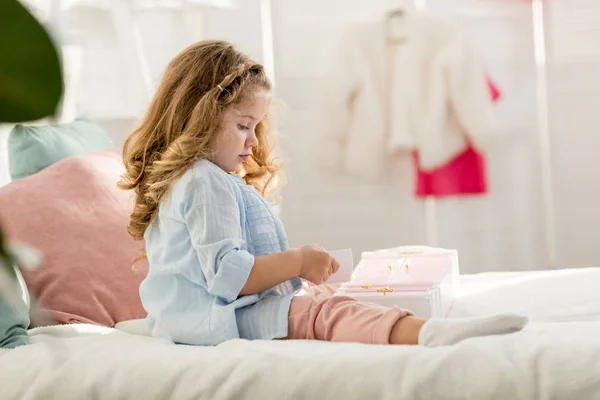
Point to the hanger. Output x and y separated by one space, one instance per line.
396 14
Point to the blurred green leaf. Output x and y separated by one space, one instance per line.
31 82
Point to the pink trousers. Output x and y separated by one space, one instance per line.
318 315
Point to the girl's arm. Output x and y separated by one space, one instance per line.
270 271
312 263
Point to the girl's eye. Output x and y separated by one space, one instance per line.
243 127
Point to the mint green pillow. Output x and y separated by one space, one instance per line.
14 311
33 148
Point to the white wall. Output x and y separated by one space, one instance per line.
574 83
504 230
112 87
241 26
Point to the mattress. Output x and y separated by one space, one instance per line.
556 357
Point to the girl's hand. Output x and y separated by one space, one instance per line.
316 264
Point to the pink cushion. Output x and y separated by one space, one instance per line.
74 213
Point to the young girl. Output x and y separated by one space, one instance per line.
220 267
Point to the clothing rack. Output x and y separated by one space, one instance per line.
431 223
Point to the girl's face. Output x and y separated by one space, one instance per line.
238 124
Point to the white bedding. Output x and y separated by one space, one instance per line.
544 296
551 359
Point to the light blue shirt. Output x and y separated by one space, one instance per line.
201 249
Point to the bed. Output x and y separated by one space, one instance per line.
556 357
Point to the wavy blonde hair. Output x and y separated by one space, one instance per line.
182 125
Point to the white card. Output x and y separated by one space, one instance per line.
344 274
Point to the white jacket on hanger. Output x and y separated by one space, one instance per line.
437 94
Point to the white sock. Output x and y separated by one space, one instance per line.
446 332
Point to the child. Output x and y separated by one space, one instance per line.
200 164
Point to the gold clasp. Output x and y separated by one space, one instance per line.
385 290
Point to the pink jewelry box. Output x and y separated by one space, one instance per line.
421 279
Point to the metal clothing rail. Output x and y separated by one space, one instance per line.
539 43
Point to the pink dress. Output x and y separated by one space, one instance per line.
463 175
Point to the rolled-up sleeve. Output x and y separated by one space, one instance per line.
212 216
